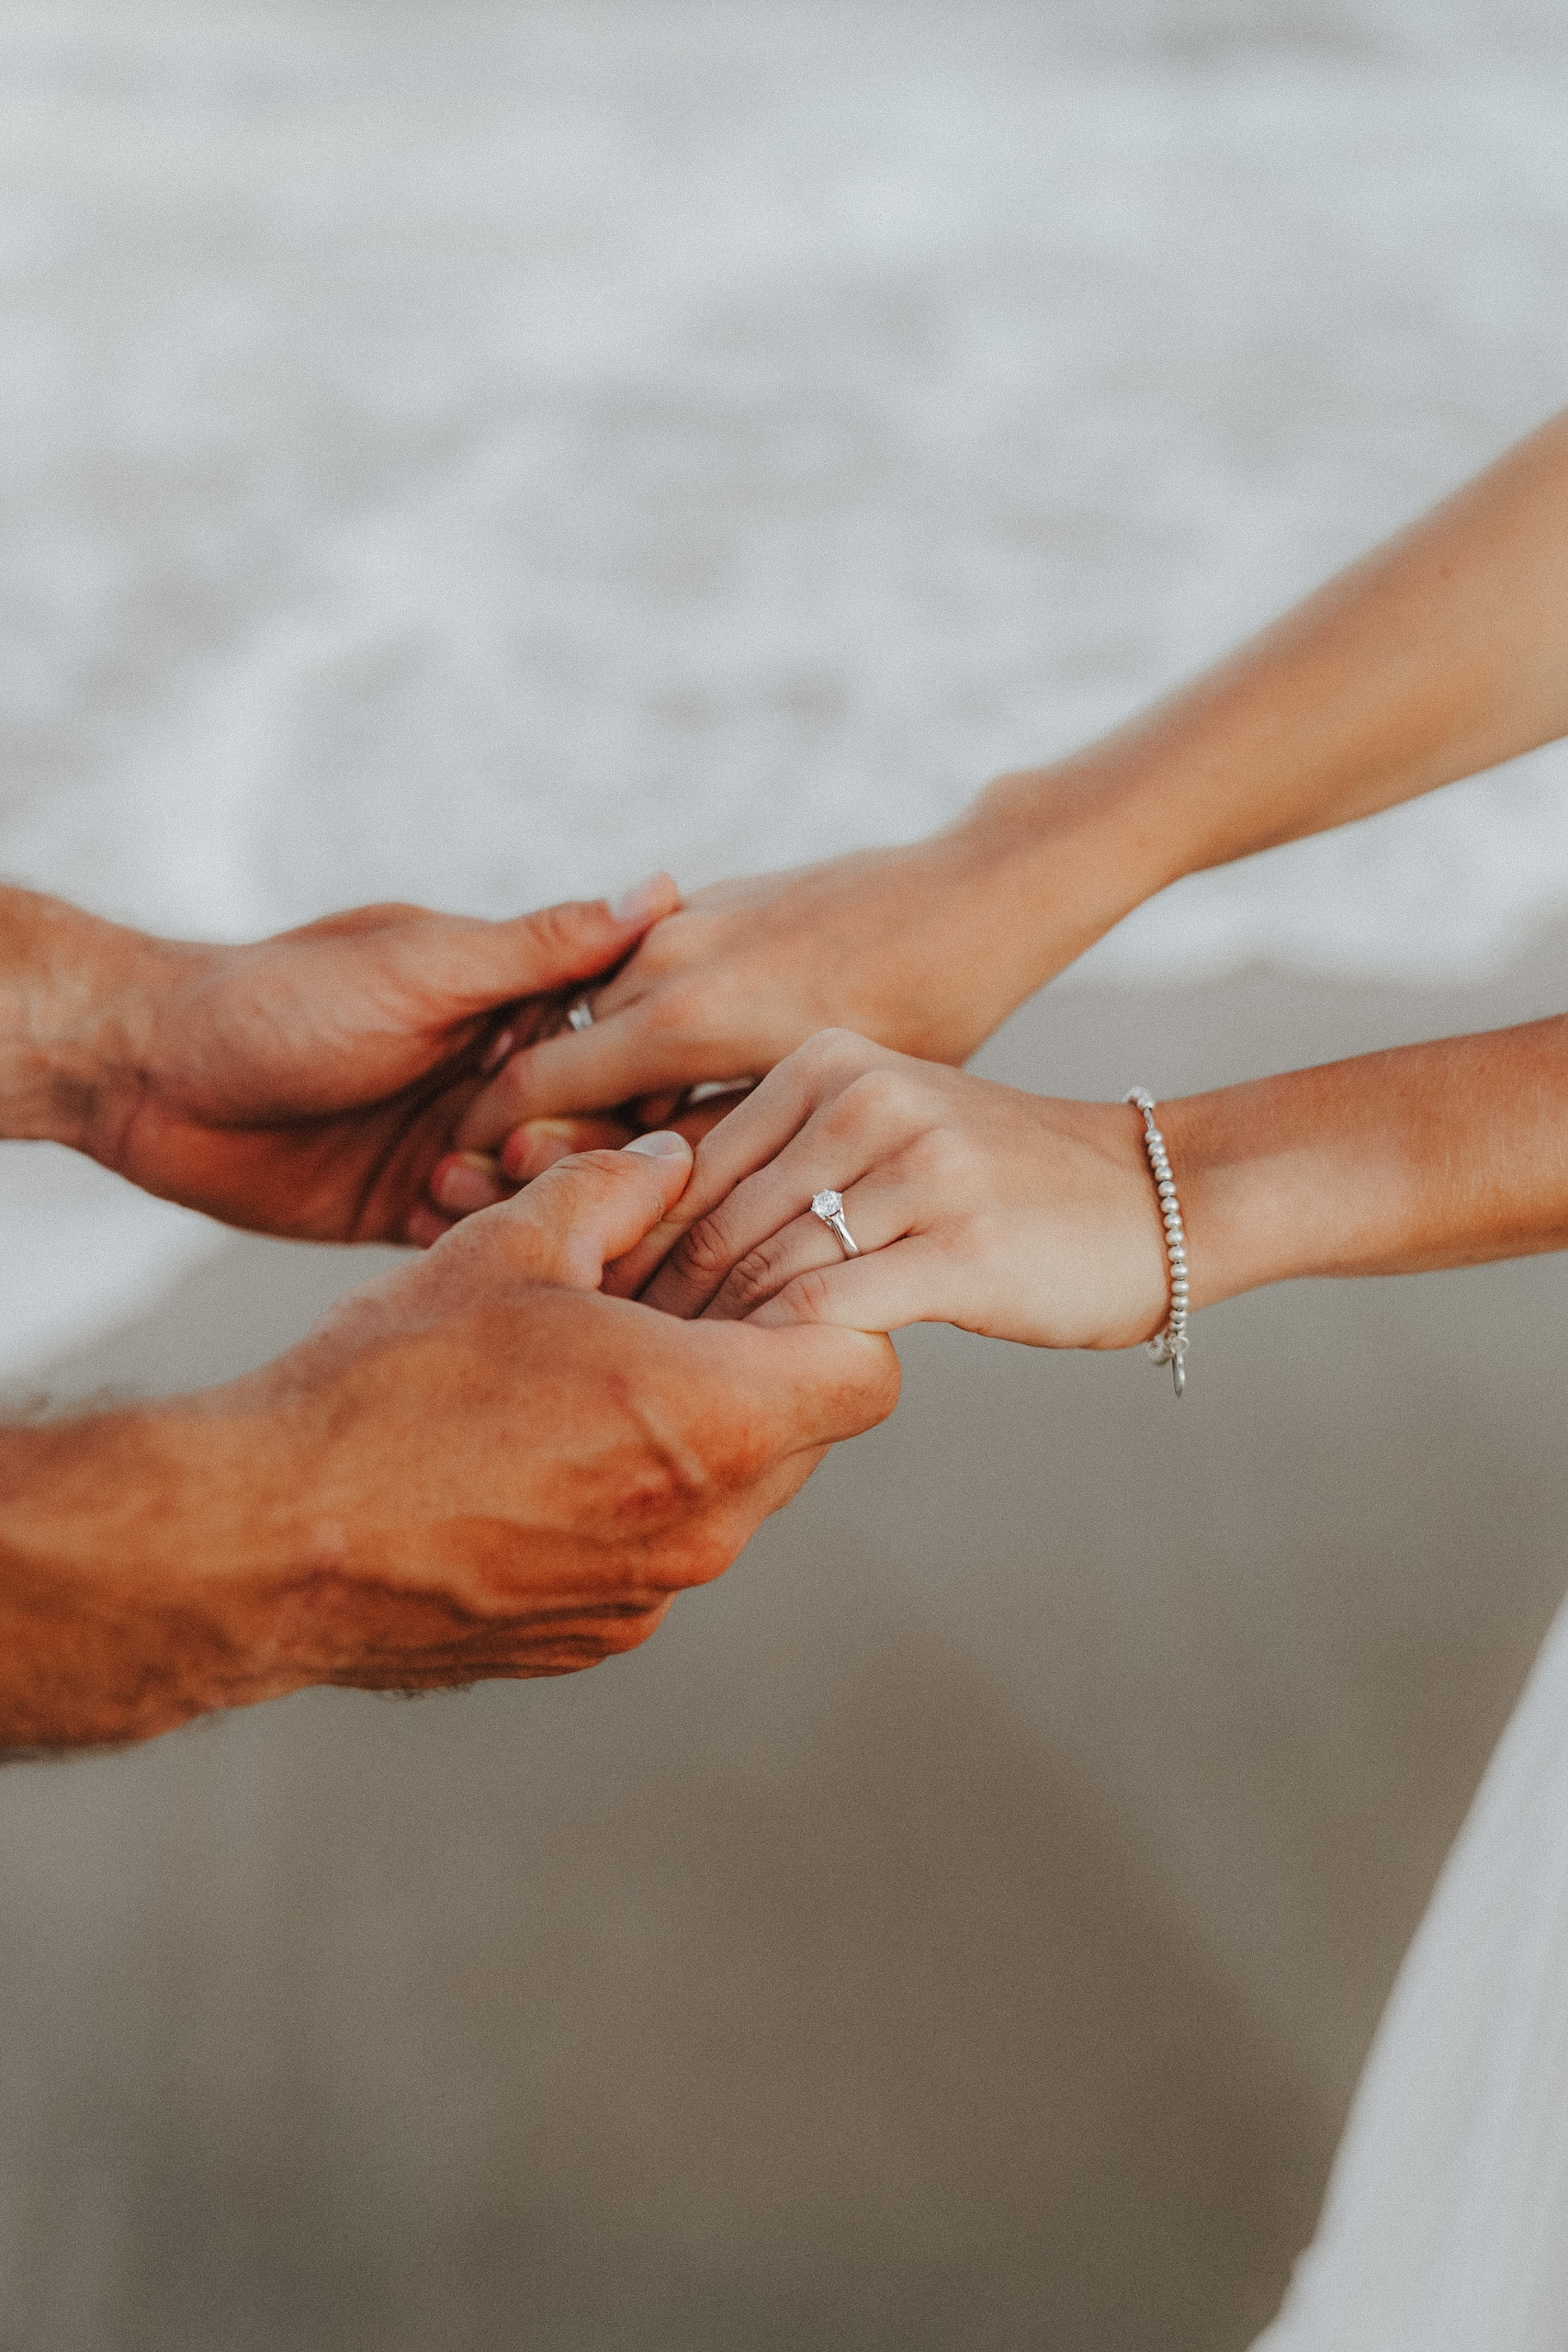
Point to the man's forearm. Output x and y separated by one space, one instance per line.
1436 656
137 1550
69 985
1448 1154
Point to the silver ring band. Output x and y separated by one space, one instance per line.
829 1207
581 1014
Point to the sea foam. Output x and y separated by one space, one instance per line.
476 456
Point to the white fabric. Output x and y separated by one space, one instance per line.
1446 2226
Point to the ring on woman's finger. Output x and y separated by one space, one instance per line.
829 1207
581 1014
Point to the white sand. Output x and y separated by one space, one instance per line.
958 1929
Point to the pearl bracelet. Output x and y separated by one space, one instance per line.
1171 1345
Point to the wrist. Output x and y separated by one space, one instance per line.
77 999
1239 1200
1068 849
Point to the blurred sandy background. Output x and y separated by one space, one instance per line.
476 453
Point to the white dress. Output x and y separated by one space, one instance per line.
1446 2224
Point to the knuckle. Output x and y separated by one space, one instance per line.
836 1049
628 1628
703 1252
565 929
736 1453
727 1445
810 1295
696 1555
542 1227
607 1166
595 1634
674 1011
879 1094
661 1486
668 1477
944 1156
665 947
706 1555
758 1274
528 1241
595 1174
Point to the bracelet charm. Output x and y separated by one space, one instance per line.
1171 1345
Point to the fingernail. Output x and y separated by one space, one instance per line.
468 1182
645 899
519 1151
499 1049
662 1145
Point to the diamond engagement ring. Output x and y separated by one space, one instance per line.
829 1207
581 1014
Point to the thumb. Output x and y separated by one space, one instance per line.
593 1206
572 941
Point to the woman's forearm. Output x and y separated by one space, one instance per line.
1441 653
1445 1154
1035 1218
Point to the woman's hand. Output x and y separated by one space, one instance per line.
926 949
1008 1214
1435 657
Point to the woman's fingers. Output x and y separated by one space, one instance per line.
837 1077
910 1282
832 1152
814 1160
875 1213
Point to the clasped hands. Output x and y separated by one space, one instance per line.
1014 1214
384 1074
498 1461
501 1460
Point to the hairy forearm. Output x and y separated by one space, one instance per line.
1445 1154
70 988
135 1552
1439 655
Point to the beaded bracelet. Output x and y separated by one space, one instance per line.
1171 1345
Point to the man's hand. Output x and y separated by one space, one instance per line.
476 1466
307 1085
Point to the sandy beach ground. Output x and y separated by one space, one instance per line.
961 1927
717 434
